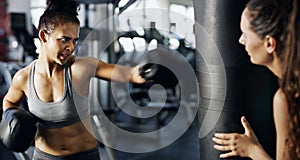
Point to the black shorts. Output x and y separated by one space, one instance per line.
92 154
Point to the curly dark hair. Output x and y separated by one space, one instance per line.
58 12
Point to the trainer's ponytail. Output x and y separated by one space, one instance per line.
291 78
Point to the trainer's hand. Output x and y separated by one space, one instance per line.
158 74
237 144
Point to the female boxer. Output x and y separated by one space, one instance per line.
56 85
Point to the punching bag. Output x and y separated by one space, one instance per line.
230 86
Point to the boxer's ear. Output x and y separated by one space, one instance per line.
43 35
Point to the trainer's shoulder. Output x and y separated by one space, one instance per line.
280 98
280 105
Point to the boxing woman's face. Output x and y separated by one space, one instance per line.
62 42
253 44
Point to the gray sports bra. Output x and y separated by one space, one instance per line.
61 113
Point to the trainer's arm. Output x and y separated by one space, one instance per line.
16 93
282 119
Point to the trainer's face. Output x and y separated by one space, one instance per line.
62 42
253 44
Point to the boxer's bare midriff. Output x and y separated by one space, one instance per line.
66 140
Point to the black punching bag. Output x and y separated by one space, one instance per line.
230 86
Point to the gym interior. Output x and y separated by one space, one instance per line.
216 85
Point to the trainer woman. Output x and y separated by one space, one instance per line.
271 38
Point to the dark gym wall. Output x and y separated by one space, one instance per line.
249 88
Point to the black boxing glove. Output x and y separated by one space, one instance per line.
158 74
17 129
